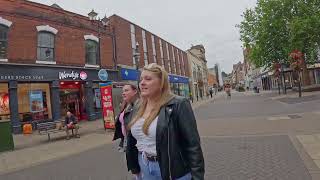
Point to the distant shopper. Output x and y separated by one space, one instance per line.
71 123
211 92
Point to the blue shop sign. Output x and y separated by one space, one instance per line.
129 74
178 79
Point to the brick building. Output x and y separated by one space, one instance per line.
151 49
49 62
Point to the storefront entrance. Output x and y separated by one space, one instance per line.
72 99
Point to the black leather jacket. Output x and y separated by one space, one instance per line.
177 142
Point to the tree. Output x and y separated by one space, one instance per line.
274 28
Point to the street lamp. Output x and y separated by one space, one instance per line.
136 56
104 21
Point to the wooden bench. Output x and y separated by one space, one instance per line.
47 128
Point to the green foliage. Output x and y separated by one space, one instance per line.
274 28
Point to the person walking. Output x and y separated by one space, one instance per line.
211 92
130 97
163 139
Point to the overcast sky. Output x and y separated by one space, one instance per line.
181 22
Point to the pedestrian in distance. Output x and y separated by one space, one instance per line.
211 92
227 89
163 139
130 96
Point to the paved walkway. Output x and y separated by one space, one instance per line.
33 149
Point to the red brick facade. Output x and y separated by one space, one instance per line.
124 50
69 41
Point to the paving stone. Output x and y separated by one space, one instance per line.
258 158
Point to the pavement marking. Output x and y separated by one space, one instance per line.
276 118
316 112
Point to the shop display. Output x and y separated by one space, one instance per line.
36 101
4 104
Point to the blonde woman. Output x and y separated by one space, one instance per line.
163 140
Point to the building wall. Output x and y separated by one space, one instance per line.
212 79
69 41
199 85
124 50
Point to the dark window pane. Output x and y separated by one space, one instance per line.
3 49
45 54
45 46
3 41
91 52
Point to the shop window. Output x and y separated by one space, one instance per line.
4 102
45 46
97 98
92 52
34 102
3 41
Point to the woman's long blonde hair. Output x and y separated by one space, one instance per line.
164 97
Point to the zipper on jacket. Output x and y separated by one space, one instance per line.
170 174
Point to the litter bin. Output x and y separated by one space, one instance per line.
6 139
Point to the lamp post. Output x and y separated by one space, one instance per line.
136 57
104 21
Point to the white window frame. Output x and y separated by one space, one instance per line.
168 57
91 37
133 42
161 52
47 28
145 48
154 52
174 60
178 59
182 64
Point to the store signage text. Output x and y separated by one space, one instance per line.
73 75
21 77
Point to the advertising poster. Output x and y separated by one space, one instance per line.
107 108
97 98
36 101
4 104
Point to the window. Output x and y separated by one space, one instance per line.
174 61
3 41
168 58
154 52
161 52
45 46
34 101
133 42
145 49
92 52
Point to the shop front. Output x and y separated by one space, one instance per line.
179 85
36 93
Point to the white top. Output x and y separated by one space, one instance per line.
145 143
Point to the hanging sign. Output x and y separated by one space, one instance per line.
106 101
